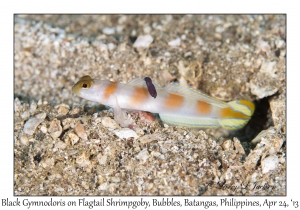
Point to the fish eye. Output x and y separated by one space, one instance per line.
84 85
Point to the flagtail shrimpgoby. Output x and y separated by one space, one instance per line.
175 104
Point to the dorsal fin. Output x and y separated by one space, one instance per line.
193 94
142 83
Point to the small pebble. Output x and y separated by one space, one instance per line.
44 129
33 122
119 29
24 139
74 138
147 29
270 163
157 154
252 159
103 48
279 43
48 162
103 186
199 40
18 106
115 179
40 102
148 138
60 145
189 53
59 190
263 46
269 68
62 109
109 123
33 107
55 128
80 131
143 155
25 115
141 181
70 170
111 46
227 145
238 146
125 133
254 177
108 31
83 160
174 42
143 41
75 110
259 136
102 159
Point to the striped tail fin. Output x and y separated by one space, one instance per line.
236 115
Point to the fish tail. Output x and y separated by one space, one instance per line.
236 115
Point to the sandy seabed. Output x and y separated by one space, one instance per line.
64 145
